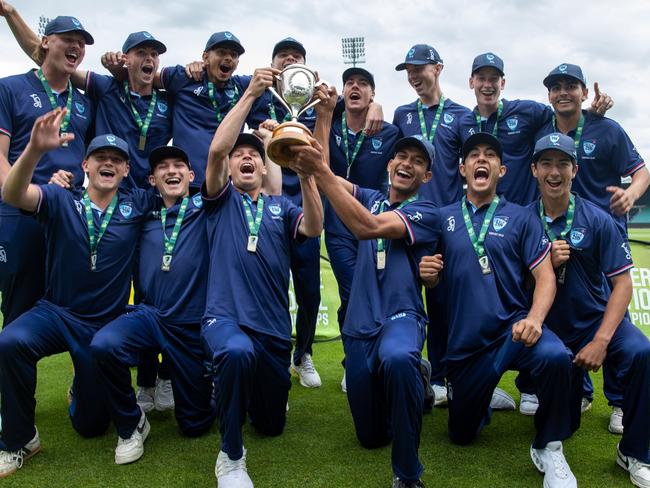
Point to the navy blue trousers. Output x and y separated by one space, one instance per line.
305 271
386 393
436 300
342 252
471 383
43 331
128 341
251 377
22 265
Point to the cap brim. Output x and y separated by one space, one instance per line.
482 138
537 154
164 152
402 66
86 35
247 139
487 65
235 46
110 147
157 45
408 141
361 72
550 80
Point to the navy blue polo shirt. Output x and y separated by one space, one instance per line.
605 154
97 296
178 294
115 116
598 251
369 168
378 294
250 288
194 116
22 100
446 186
262 110
517 131
482 308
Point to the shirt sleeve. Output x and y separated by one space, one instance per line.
614 251
422 221
212 204
293 217
52 198
173 78
624 155
535 245
97 85
6 110
541 115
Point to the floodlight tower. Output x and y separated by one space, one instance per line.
42 22
354 50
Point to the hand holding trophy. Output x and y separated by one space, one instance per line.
296 85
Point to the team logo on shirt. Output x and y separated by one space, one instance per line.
3 255
499 222
471 131
79 206
577 236
451 224
448 118
198 91
416 217
338 140
626 248
375 206
275 209
37 100
376 143
162 107
409 118
197 200
81 108
512 123
310 112
230 93
589 146
126 209
543 243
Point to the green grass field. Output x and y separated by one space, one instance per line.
317 449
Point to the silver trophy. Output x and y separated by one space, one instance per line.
296 85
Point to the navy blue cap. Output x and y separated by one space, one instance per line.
248 139
557 141
143 37
289 42
108 141
482 138
225 39
164 152
565 70
65 23
418 142
348 73
420 54
489 60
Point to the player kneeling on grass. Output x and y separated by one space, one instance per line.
590 318
246 328
385 323
173 280
488 244
91 236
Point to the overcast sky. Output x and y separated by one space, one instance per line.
610 40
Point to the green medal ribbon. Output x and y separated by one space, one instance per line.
215 104
436 119
50 95
344 133
273 115
143 126
578 134
479 122
561 271
170 242
253 224
381 246
478 243
92 238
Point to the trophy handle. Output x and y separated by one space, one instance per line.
307 107
279 98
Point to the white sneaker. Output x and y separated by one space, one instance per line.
144 397
12 461
132 449
585 406
308 375
616 421
502 401
344 385
528 404
163 397
232 474
639 471
551 462
439 395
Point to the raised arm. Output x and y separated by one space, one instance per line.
17 189
273 178
216 173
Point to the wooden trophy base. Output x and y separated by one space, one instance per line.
286 135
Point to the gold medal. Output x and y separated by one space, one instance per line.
252 244
142 143
64 143
381 259
485 265
93 262
166 262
